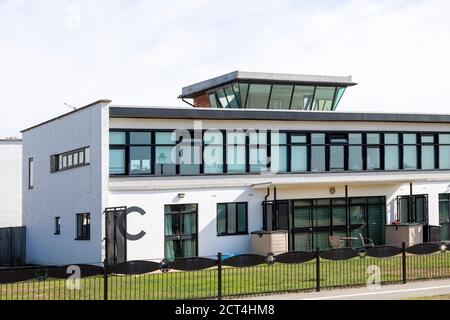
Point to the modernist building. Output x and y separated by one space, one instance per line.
252 152
10 182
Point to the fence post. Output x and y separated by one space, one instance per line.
219 276
317 269
105 279
404 262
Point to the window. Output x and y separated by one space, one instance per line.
444 215
236 152
427 152
313 221
302 98
299 153
337 145
231 98
117 161
188 152
232 218
444 151
243 151
140 154
412 210
258 151
116 137
323 98
57 225
339 93
317 152
278 155
70 159
280 97
30 173
373 151
391 151
180 231
409 151
213 152
165 153
83 226
258 96
355 155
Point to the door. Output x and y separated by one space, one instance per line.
180 230
116 235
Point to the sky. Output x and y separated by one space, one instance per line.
140 52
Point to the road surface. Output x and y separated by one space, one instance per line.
386 292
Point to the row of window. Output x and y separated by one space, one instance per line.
83 226
71 159
312 221
64 161
275 96
233 152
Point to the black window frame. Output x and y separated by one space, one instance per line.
57 225
444 223
237 233
80 232
326 145
55 159
31 173
331 228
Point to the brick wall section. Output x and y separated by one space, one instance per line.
10 183
202 101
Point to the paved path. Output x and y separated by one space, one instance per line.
387 292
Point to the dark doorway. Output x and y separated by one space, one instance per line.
116 235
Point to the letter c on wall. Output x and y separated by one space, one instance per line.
134 237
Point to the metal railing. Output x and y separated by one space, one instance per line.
217 278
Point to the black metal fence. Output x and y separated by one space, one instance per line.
216 278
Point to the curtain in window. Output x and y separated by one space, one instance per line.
189 248
170 254
168 224
189 224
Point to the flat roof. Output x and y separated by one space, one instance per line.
275 115
193 89
10 140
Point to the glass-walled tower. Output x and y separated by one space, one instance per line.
256 90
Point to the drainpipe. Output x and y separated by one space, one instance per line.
274 207
347 214
410 207
182 99
265 217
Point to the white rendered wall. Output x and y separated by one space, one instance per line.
151 246
10 183
64 193
152 194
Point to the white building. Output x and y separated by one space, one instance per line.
10 183
330 174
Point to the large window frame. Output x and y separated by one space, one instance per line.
227 206
83 226
236 95
444 216
72 159
347 227
310 147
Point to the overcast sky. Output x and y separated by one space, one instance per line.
143 52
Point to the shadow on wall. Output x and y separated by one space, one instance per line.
209 243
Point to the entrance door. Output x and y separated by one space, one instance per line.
116 235
180 229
